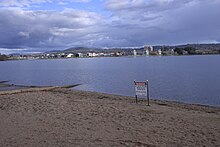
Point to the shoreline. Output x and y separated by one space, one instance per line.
30 89
62 117
69 87
111 57
12 88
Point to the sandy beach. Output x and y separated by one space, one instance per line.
62 117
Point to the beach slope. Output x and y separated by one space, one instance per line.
63 117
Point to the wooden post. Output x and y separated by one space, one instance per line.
135 93
136 98
148 95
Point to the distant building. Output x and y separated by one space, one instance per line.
63 55
168 52
89 54
118 54
94 54
172 51
101 54
134 52
185 52
79 55
147 52
159 52
149 48
70 55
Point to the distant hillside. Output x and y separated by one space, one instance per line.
53 51
79 50
128 50
195 46
97 50
203 46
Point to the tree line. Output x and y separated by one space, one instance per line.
185 50
3 57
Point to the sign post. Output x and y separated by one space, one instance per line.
142 89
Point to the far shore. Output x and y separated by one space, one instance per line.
55 116
25 59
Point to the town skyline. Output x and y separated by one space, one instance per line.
206 46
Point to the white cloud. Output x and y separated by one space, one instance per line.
8 51
21 3
31 3
124 4
24 34
81 1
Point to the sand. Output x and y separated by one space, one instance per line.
60 117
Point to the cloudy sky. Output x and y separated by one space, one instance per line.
41 25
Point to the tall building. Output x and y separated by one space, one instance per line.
147 52
134 52
159 52
149 48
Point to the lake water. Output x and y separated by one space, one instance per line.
190 79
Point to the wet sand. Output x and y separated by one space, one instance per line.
63 117
4 86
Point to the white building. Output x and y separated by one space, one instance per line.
89 54
94 55
159 52
147 52
172 51
150 48
101 54
135 52
70 55
79 55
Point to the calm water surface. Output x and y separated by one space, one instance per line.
191 79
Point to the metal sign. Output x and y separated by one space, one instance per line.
141 89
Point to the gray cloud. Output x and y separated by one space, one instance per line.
46 29
167 21
131 23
